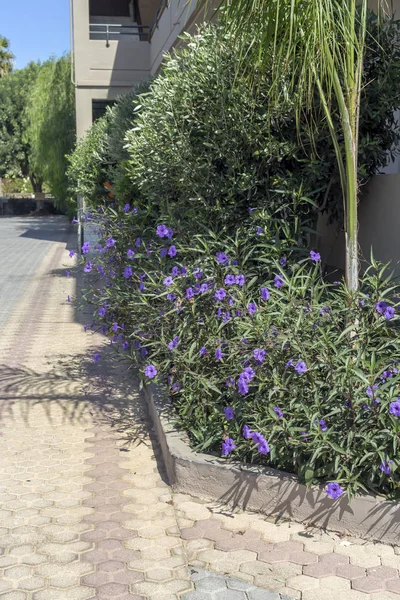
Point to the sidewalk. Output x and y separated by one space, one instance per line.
85 508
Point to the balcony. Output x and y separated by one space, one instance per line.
123 21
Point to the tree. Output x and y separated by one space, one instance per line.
15 148
6 57
321 44
51 124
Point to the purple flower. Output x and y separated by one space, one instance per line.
385 467
278 281
300 367
101 271
130 253
172 251
173 344
228 446
168 281
248 374
184 271
74 220
115 327
127 208
263 447
88 267
394 408
229 280
315 256
278 411
389 313
171 297
110 242
333 490
259 230
203 351
264 293
220 294
247 432
163 252
135 210
229 413
252 308
283 261
243 386
175 271
67 273
138 242
370 390
259 354
222 258
150 371
125 345
189 293
240 279
204 288
141 287
85 247
68 298
323 425
102 311
128 272
96 357
162 231
71 254
197 274
218 354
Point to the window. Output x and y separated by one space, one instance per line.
109 8
99 107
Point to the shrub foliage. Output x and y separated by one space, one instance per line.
203 276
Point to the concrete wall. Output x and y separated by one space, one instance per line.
180 16
379 225
103 72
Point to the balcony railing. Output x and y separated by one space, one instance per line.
113 31
119 31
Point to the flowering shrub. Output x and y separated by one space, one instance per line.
203 278
265 362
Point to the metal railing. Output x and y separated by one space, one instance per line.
114 31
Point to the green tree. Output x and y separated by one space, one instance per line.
51 124
6 57
321 44
15 148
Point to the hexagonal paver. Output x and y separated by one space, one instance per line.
368 584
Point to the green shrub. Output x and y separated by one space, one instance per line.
209 163
321 424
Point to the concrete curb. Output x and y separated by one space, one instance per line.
268 491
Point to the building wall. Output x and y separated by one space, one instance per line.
103 72
378 215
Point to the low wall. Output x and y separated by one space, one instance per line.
268 491
24 206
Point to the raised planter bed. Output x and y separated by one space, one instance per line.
268 491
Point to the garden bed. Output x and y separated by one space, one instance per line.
265 490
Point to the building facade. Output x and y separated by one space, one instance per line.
117 43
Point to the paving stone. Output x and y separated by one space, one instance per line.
368 584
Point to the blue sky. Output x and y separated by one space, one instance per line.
36 29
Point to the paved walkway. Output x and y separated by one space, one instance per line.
85 508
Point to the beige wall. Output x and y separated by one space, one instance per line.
379 225
103 72
180 16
